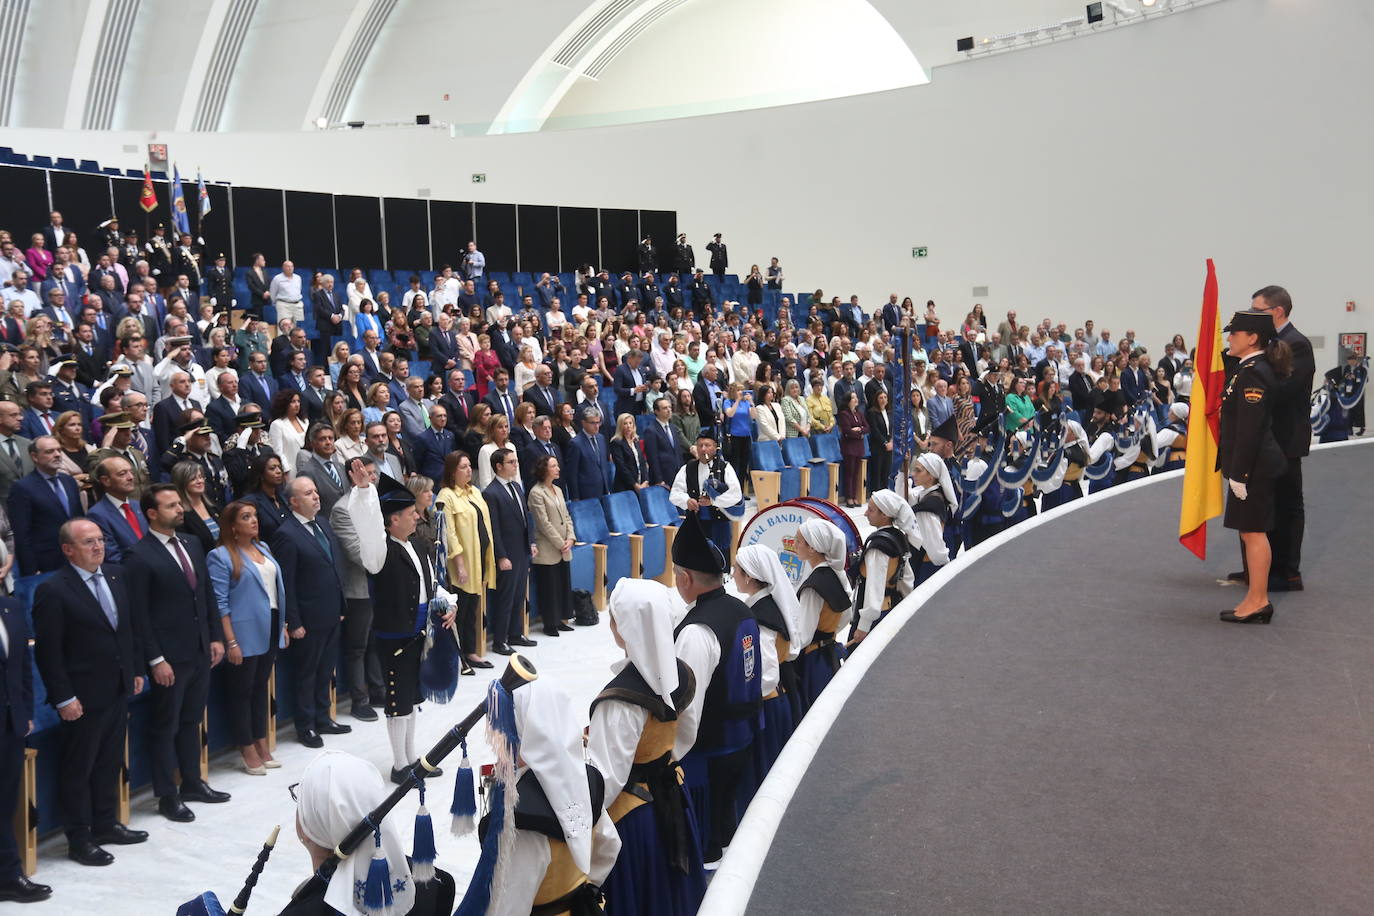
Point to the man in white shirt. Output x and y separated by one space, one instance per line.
286 293
19 289
663 356
694 484
474 263
10 261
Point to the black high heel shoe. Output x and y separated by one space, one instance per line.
1263 615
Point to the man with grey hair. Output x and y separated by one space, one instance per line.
224 410
589 460
362 670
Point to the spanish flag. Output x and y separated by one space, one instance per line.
1202 484
148 198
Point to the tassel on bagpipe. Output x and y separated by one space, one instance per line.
207 904
519 672
441 661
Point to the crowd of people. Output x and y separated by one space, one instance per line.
175 466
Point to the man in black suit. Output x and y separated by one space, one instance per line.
631 383
876 384
40 502
87 653
661 444
455 401
312 398
706 396
259 296
443 346
294 376
169 414
542 444
1293 430
328 310
179 633
433 445
512 532
223 412
54 233
542 394
499 398
16 722
257 385
309 555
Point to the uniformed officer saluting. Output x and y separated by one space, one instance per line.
1249 456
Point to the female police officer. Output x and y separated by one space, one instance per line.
1249 456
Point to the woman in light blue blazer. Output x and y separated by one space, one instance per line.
251 596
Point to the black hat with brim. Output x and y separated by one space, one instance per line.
1253 322
693 550
948 430
394 495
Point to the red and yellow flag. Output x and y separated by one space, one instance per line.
1202 484
148 198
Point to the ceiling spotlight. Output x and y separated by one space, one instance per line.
1148 3
321 123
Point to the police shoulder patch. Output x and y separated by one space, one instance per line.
1253 395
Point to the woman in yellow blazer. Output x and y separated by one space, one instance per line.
553 535
471 559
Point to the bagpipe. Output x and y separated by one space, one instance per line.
441 660
971 491
207 904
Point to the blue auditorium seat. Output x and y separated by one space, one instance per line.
42 162
611 551
773 480
826 446
111 171
86 165
500 276
647 557
68 165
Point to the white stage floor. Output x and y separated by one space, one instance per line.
216 851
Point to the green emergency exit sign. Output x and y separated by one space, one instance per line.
920 252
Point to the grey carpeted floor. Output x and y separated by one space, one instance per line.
1068 729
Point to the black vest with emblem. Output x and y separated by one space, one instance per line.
893 544
653 777
729 712
768 614
694 485
395 593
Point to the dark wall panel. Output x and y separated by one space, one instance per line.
216 230
24 203
84 201
358 230
131 215
407 234
538 238
496 235
450 224
619 238
310 229
662 225
578 241
258 224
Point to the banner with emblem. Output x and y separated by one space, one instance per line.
179 215
147 198
1202 483
202 196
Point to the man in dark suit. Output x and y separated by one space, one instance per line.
87 654
39 416
40 502
309 555
312 398
588 458
1293 430
542 444
706 396
54 233
631 382
92 357
257 385
14 448
180 635
433 445
223 411
499 398
506 345
16 722
878 383
294 376
455 401
443 346
118 518
847 383
512 532
170 413
319 462
258 293
661 445
542 394
328 311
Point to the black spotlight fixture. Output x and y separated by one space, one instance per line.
1094 12
422 119
964 44
355 125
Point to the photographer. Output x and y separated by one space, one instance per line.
738 428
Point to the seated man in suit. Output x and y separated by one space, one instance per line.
661 444
589 460
542 394
309 555
631 382
40 502
86 651
319 462
117 517
433 445
16 722
180 634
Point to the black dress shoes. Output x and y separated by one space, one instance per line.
309 738
174 809
1285 584
83 850
399 776
119 835
1241 576
502 649
22 890
563 627
333 728
523 641
480 663
1263 615
554 632
201 792
364 713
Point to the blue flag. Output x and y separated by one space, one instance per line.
202 196
179 217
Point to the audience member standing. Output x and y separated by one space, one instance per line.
553 541
513 534
321 465
39 503
285 289
16 722
469 542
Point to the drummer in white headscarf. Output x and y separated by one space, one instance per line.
824 600
932 501
336 792
1171 442
759 576
630 741
885 573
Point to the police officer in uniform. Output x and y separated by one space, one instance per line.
719 641
684 259
706 486
1249 455
107 235
129 251
186 260
160 257
220 284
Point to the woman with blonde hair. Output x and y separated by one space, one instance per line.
469 546
69 431
378 402
338 358
349 435
627 455
525 368
497 437
201 519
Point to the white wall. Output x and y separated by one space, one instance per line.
1090 178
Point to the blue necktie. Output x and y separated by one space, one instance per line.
61 493
323 541
333 473
101 590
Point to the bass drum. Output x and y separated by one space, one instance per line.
776 528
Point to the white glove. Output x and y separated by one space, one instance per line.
1239 489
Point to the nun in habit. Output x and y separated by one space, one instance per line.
630 742
823 604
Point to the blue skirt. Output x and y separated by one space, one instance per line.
815 672
925 571
1097 486
642 880
1068 491
777 728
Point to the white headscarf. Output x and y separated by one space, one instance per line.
762 565
551 745
937 468
640 609
828 540
337 791
896 508
1179 410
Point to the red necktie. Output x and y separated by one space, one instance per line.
132 520
185 563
